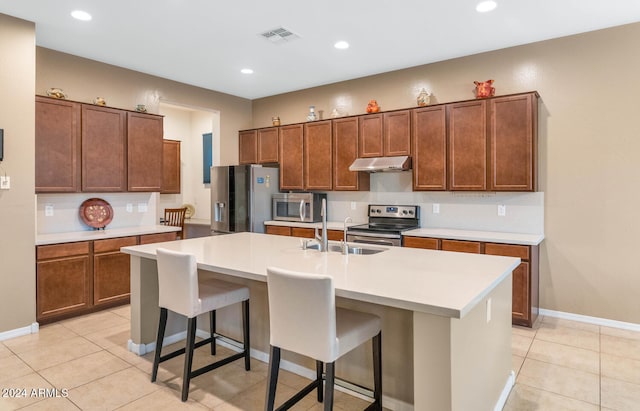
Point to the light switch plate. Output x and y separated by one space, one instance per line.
48 210
353 205
129 207
435 208
502 210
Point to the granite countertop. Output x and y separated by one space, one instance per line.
436 282
74 236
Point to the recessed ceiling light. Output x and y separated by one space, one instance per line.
81 15
246 71
485 6
342 45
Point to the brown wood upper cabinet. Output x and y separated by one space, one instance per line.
317 155
104 141
429 148
385 134
291 145
57 142
512 143
258 146
170 167
467 160
345 151
248 147
144 152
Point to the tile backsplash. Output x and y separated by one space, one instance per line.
128 211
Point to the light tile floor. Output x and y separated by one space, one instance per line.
560 365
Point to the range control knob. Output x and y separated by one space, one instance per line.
410 211
405 212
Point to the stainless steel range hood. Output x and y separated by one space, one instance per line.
378 164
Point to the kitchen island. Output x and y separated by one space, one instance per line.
446 316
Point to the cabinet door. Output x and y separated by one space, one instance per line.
467 160
104 162
429 148
370 136
57 144
397 133
268 145
277 230
317 156
63 286
521 305
462 246
111 278
345 151
144 152
248 147
158 238
302 232
421 242
170 167
512 131
291 157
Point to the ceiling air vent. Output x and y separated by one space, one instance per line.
279 35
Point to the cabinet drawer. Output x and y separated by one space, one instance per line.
45 252
420 242
157 238
302 232
507 250
278 230
335 235
113 244
461 246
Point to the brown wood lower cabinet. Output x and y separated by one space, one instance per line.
335 235
111 271
78 278
64 279
525 299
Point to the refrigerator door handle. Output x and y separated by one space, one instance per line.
302 211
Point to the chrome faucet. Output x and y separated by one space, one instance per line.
345 247
324 239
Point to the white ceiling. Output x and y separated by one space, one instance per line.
205 42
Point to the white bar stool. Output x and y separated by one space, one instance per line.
304 319
180 291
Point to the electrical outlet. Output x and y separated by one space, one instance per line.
502 210
142 207
353 205
5 182
435 208
129 207
48 210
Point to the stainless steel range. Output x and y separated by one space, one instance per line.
386 224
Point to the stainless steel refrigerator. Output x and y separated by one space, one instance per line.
241 198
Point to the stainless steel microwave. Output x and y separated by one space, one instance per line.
302 207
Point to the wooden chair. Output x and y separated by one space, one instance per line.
175 217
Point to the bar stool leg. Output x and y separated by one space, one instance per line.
245 326
212 327
188 359
328 386
272 380
319 367
162 325
377 370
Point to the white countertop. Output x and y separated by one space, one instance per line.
435 282
73 236
471 235
331 225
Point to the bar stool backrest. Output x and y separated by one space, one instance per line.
178 282
302 313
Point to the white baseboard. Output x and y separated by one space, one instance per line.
504 395
19 332
591 320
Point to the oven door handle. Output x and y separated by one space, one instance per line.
368 240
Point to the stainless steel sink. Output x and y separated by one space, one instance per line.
351 249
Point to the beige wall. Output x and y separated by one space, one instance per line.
17 205
589 145
84 80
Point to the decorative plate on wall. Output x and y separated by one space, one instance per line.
191 210
96 212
